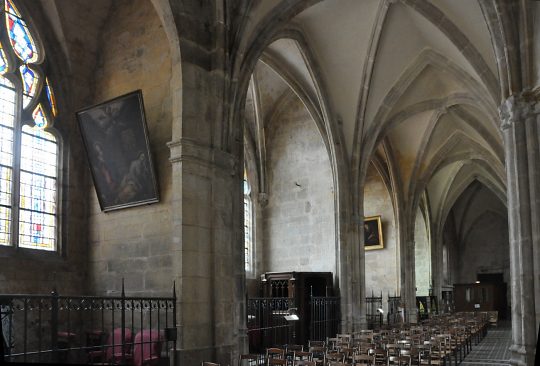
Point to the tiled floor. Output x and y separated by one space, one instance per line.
493 350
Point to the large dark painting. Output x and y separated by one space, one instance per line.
373 238
116 141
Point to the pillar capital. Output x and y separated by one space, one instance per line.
519 108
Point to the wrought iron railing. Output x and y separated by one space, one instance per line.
374 317
267 326
87 329
394 315
325 317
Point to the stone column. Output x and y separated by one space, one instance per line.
408 275
354 297
436 264
209 260
520 119
206 158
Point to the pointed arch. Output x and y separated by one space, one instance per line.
443 158
455 190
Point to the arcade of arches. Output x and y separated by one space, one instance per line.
423 112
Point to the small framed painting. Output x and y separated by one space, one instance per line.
116 141
373 238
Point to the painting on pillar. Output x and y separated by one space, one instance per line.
115 137
373 238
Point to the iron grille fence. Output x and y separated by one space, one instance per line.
325 318
87 329
373 317
267 326
394 316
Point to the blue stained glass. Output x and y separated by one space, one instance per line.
30 82
51 97
39 117
3 61
19 35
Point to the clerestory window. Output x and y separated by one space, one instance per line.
29 150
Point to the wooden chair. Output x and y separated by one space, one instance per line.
335 357
304 363
318 354
248 360
331 343
399 361
275 352
392 349
363 348
302 356
362 360
348 353
291 349
316 344
294 347
413 355
276 361
344 338
379 356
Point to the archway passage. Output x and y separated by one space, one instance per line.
476 237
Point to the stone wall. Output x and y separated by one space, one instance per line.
382 265
299 225
135 243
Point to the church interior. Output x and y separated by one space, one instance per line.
186 170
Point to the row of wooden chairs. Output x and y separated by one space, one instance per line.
436 343
433 343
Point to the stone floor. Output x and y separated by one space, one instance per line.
493 350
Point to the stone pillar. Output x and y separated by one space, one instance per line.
407 270
520 119
436 263
209 259
408 280
207 207
355 296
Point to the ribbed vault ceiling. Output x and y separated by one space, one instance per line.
415 81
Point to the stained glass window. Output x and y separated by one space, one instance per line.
37 220
30 83
8 98
39 117
28 151
19 35
51 97
3 61
248 226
